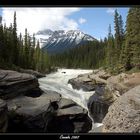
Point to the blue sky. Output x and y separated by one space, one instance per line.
93 21
98 20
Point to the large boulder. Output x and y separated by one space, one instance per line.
3 116
70 118
123 82
66 103
13 84
99 103
27 114
49 113
82 83
124 114
101 74
32 72
87 82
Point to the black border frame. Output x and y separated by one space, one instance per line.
70 3
67 3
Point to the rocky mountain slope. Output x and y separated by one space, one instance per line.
60 40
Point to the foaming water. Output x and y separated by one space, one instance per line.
58 82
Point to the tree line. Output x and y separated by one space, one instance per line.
20 51
81 57
116 53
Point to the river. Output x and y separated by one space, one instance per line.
58 82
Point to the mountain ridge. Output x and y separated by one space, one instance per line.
60 40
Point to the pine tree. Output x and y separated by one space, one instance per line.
0 19
136 38
10 44
119 41
37 56
110 48
16 51
21 51
121 32
1 42
26 50
15 42
132 43
122 41
117 38
33 52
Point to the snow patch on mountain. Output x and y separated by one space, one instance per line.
61 40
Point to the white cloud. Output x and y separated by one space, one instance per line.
35 19
110 11
82 20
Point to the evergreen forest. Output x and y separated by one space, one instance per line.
20 51
115 53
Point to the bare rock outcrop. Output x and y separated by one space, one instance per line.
89 82
123 82
49 113
100 101
70 118
32 72
27 114
124 114
13 83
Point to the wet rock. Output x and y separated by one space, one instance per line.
64 72
99 103
65 103
82 83
88 82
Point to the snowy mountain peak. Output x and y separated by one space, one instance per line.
45 32
61 40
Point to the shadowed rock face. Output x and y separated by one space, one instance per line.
99 103
29 114
33 110
124 114
3 116
13 84
48 113
70 118
86 86
70 124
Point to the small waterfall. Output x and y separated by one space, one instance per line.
58 82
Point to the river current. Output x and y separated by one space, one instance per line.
58 82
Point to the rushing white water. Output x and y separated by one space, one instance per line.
58 82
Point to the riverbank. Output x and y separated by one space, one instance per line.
69 99
31 109
116 100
